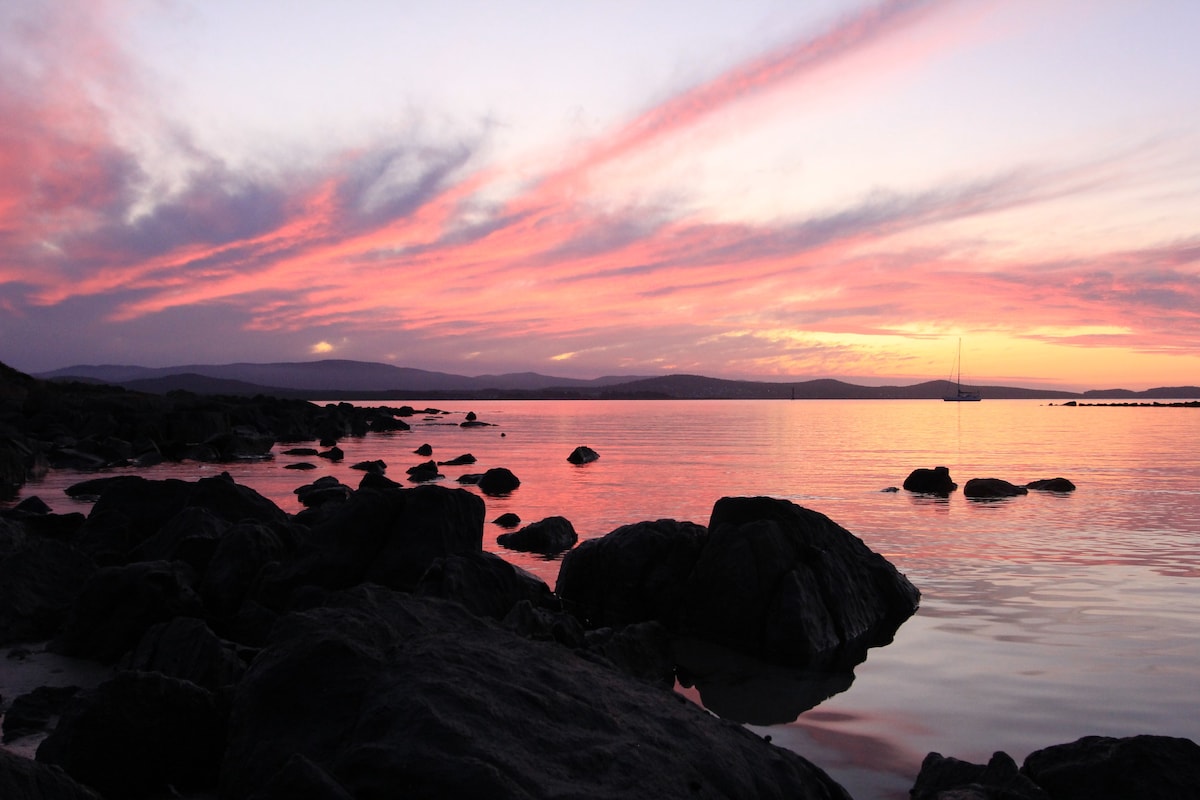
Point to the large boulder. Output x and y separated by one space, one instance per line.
498 481
387 536
39 581
140 735
791 586
1106 768
546 536
485 583
187 648
992 489
26 779
387 694
634 574
943 778
118 604
930 481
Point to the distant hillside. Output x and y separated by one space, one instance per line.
343 379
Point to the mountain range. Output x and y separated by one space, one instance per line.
339 379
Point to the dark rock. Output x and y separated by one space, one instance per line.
32 713
334 453
422 473
583 455
301 465
425 450
642 650
39 581
32 505
470 478
636 573
1105 768
298 778
507 520
944 778
930 481
186 648
301 451
241 554
377 465
140 735
789 585
118 604
390 537
383 422
547 536
94 487
374 480
132 509
544 624
991 489
1051 485
458 461
471 416
485 583
26 779
323 490
498 481
191 536
241 442
392 695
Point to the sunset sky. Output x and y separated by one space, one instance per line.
739 189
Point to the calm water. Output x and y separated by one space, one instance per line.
1043 618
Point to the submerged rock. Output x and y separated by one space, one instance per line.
498 481
583 455
1051 485
991 489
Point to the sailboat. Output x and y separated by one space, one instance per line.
961 395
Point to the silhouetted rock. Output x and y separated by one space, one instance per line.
943 778
425 450
378 465
300 465
583 455
391 694
39 580
930 481
26 779
547 536
301 451
118 604
186 648
334 453
991 489
375 480
323 490
388 536
1051 485
32 713
1105 768
485 583
498 481
140 735
789 585
423 473
636 573
507 520
458 461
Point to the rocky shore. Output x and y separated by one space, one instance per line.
369 647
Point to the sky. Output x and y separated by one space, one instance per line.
745 189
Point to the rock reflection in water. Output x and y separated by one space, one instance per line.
739 687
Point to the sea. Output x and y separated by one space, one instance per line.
1043 618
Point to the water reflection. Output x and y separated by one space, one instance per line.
736 686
